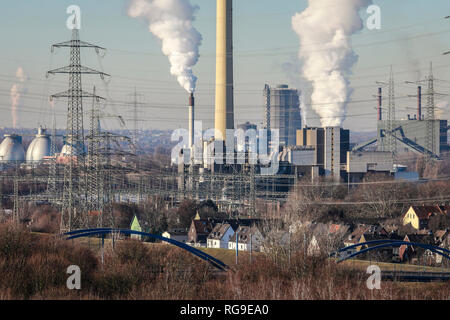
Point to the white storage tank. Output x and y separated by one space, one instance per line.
69 149
11 149
40 147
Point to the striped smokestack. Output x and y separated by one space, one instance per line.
224 110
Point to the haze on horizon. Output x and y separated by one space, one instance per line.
413 33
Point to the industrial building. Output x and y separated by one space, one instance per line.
419 133
282 112
411 136
330 146
326 152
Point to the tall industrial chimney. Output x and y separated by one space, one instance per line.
224 112
419 103
191 120
380 104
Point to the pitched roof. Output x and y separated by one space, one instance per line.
424 212
338 228
356 234
177 232
219 231
202 227
419 238
440 235
245 233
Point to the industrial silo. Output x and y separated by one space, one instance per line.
40 147
11 149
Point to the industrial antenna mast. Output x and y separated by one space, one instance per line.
73 197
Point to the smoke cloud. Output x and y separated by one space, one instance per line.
15 93
171 22
324 30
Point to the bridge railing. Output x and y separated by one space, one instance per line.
82 233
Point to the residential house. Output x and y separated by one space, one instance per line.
317 243
199 232
136 226
414 253
247 238
180 235
445 244
441 235
355 236
220 236
360 234
419 216
386 254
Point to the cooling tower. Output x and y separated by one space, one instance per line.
224 112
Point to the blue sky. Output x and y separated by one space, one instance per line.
414 32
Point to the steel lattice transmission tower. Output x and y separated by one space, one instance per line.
430 115
16 193
389 131
94 192
391 115
52 188
72 216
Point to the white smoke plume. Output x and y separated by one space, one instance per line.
172 22
325 28
15 93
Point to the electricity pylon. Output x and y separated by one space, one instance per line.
72 216
94 192
432 149
430 114
392 142
52 188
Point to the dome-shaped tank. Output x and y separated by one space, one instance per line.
69 149
11 149
40 147
66 150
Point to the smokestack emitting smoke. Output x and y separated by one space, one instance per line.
171 21
191 120
15 93
325 29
